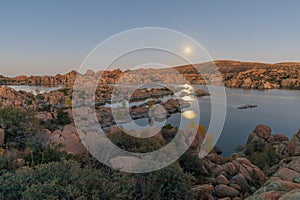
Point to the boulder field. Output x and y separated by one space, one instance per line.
235 177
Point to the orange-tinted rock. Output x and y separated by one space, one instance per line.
226 191
287 174
280 137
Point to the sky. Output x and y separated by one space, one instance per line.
50 37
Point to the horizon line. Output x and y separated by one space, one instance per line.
217 60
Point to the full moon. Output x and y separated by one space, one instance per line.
187 50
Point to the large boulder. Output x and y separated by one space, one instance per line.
70 128
223 191
287 174
240 180
292 195
261 133
295 164
44 116
294 145
221 179
229 168
280 138
202 191
125 162
70 141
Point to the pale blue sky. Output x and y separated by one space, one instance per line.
49 37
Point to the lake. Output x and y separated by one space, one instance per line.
34 89
280 109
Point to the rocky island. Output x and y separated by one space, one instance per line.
247 106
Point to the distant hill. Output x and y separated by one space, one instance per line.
236 74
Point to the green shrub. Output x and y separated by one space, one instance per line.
191 163
19 124
41 154
168 183
46 108
134 144
266 158
167 134
254 147
40 97
63 118
45 191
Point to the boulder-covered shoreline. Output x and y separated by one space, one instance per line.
266 167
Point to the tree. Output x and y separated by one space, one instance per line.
19 125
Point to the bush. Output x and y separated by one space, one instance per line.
64 180
261 155
265 159
45 191
13 184
63 118
46 108
254 147
40 97
167 134
191 163
134 144
168 183
19 124
41 154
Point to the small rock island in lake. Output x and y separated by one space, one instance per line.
247 106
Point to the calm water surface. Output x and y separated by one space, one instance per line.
280 109
34 89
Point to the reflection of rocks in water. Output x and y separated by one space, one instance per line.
188 98
201 93
158 112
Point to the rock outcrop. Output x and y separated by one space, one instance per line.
69 139
284 184
239 178
9 96
66 79
234 74
284 147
